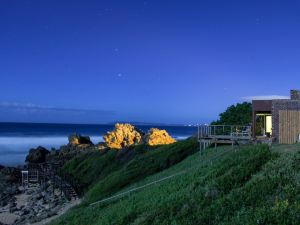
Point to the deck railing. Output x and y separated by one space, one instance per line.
225 131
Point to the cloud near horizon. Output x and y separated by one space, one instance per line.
25 111
33 108
264 97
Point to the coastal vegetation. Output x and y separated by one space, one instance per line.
246 185
173 183
58 176
239 114
101 174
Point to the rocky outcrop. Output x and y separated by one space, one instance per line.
9 180
158 137
124 135
33 203
76 139
37 155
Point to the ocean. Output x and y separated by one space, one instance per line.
17 138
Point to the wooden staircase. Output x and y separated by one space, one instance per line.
49 172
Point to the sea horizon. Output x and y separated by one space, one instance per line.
16 139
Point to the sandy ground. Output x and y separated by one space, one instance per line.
22 200
8 218
61 212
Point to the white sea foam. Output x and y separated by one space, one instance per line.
14 149
181 137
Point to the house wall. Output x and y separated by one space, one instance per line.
289 126
262 105
284 120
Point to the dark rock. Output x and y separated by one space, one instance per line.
12 204
54 152
21 208
1 167
39 196
25 212
37 155
3 202
13 209
52 213
13 190
77 139
11 174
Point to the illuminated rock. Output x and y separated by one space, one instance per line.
158 137
122 136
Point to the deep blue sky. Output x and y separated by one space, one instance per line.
153 61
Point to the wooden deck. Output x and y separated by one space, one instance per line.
223 134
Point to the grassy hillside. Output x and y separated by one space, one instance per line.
252 185
102 174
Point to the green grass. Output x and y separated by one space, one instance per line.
87 168
253 185
103 174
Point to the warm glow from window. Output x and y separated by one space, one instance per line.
269 124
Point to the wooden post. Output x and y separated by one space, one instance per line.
53 180
61 186
200 145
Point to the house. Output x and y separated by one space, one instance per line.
278 119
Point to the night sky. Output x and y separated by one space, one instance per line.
146 61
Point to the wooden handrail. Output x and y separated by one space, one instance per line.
224 130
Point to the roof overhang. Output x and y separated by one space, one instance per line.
262 105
